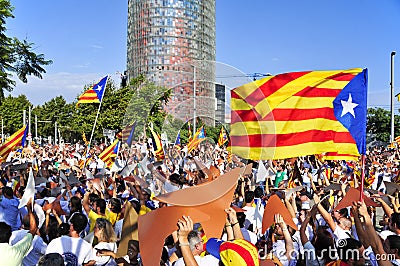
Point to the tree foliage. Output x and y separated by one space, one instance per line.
378 125
16 56
140 101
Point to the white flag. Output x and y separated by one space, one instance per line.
261 172
29 191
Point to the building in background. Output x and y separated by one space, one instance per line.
172 42
220 103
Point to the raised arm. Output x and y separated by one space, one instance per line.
327 217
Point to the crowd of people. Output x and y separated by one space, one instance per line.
77 214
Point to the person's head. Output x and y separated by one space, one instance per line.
258 192
8 192
115 205
133 250
351 251
51 259
241 218
249 196
195 242
344 223
5 232
341 213
75 204
78 222
26 221
99 206
391 245
104 231
63 229
395 222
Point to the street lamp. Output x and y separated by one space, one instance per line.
392 96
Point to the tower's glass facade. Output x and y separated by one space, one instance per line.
169 40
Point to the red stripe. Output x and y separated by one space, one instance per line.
342 77
283 115
235 95
318 92
271 86
107 154
8 143
281 140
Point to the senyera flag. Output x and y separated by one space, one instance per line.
223 137
95 93
16 139
300 113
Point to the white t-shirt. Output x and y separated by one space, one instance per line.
250 211
207 260
75 251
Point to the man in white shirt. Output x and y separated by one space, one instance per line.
74 249
197 247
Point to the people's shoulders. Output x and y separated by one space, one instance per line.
25 241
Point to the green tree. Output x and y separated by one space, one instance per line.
378 125
11 110
16 56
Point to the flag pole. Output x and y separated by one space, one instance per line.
95 122
98 112
362 177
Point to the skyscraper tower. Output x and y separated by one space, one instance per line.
172 42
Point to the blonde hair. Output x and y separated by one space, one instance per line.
106 233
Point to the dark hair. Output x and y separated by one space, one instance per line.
323 240
101 203
78 221
93 197
116 205
76 205
347 250
249 196
344 212
7 191
394 243
63 229
5 232
395 219
241 217
258 192
51 259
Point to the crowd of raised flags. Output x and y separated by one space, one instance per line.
292 184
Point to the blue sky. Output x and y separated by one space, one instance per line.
87 40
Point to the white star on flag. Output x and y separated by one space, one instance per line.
348 106
98 88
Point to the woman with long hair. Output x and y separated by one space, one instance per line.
104 232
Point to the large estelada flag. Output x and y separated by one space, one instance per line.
109 153
300 113
16 139
95 93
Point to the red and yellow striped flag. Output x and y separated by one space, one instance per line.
109 153
300 113
16 139
223 137
197 139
